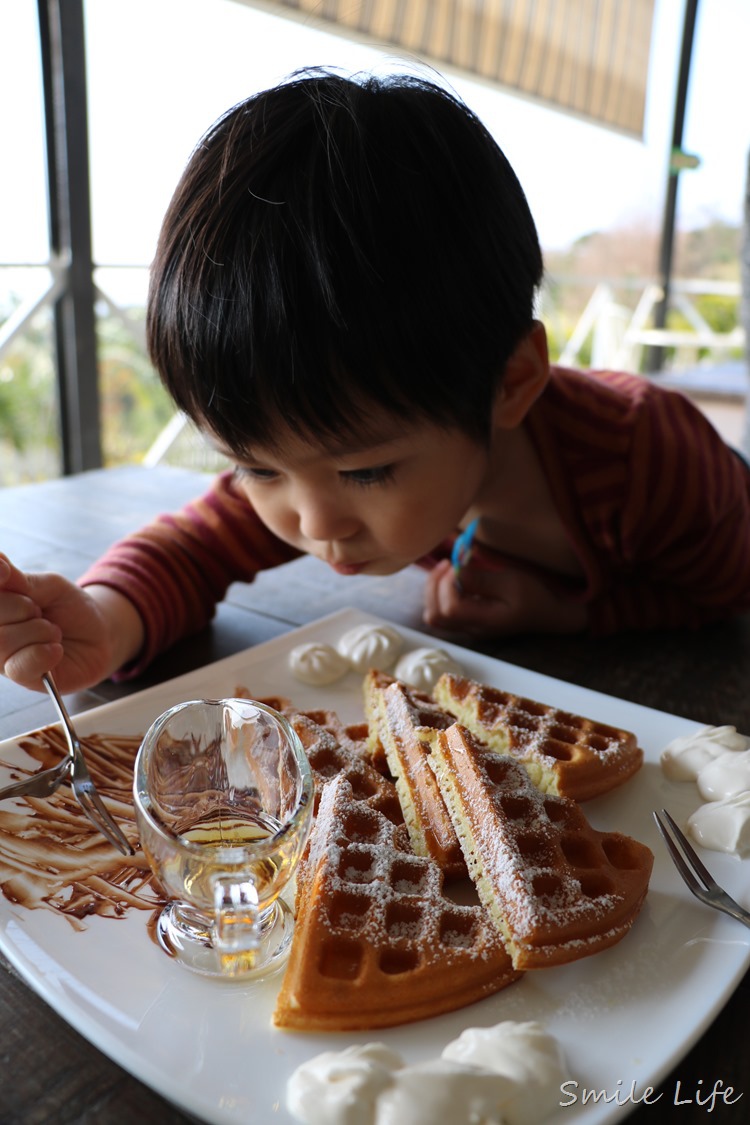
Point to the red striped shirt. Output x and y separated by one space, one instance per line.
656 505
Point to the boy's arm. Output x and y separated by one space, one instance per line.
689 584
693 583
176 570
683 535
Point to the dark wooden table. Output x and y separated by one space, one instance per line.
48 1073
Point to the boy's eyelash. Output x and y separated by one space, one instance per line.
367 477
364 478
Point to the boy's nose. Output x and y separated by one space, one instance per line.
324 522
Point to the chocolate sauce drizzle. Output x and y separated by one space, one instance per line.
52 857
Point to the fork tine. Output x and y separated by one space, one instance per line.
691 855
677 857
92 805
83 786
114 834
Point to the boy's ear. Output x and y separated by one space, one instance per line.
525 377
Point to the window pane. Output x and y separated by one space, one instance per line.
29 444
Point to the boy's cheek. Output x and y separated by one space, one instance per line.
284 525
275 516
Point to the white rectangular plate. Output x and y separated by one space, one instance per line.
625 1017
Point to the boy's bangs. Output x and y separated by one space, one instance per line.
325 408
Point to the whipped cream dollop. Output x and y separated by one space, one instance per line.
528 1056
509 1074
317 663
717 759
441 1092
370 646
423 667
725 776
723 826
342 1087
684 758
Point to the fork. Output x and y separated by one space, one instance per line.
83 786
41 784
695 874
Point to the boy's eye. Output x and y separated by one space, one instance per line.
253 473
381 474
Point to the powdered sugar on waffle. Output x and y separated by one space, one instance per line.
555 887
383 868
564 753
376 942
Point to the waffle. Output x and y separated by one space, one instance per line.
406 722
278 703
373 683
376 943
352 738
331 750
564 754
556 888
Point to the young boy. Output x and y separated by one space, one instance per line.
342 299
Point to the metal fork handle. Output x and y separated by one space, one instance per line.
726 903
91 803
70 735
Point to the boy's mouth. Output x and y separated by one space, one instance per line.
348 568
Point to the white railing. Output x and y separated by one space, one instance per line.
619 333
57 270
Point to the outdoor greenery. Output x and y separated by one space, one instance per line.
29 444
626 258
134 406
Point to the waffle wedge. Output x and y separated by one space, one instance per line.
333 749
350 736
564 754
376 943
556 888
405 723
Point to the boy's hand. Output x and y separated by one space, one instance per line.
46 623
497 603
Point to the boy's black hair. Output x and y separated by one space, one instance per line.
339 244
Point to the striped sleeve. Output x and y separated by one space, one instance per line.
678 540
178 568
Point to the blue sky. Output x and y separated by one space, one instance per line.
161 71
